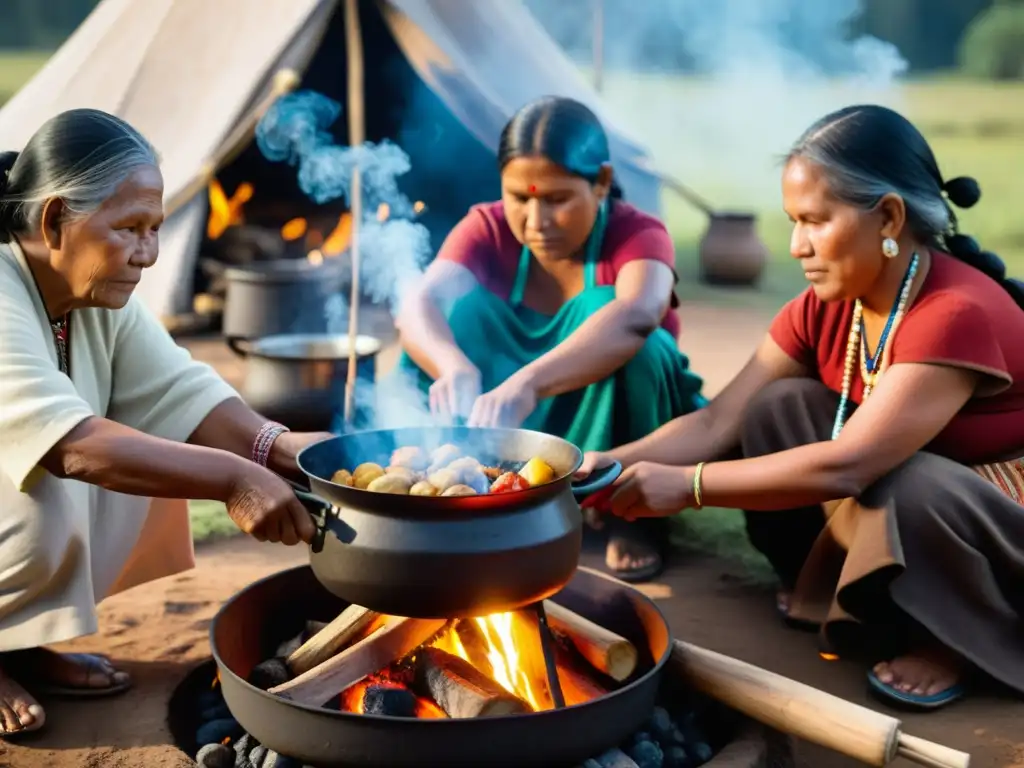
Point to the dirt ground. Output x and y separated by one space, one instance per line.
158 632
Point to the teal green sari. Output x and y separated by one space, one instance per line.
500 337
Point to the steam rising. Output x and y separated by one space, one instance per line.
718 90
393 252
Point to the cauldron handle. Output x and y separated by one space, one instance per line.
238 345
318 509
596 481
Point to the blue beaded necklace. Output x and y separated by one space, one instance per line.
857 342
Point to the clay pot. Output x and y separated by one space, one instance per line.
731 253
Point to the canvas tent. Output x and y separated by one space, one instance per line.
187 73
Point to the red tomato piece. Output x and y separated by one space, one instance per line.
509 482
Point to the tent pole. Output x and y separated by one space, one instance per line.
597 45
356 137
285 81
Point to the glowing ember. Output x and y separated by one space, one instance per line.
315 257
383 211
216 681
224 211
828 656
419 207
294 229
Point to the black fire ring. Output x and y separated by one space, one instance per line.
251 625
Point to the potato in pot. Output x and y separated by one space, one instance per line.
423 488
343 477
390 484
366 473
459 490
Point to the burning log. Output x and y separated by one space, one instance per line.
331 639
460 689
396 638
610 653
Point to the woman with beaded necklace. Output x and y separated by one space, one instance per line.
880 424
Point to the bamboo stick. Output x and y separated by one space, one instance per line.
356 137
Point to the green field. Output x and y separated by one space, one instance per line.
712 136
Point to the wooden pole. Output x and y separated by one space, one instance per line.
597 45
807 713
356 137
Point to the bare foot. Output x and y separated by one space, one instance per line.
19 712
626 555
924 673
67 670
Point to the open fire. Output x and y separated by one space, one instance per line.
227 211
368 663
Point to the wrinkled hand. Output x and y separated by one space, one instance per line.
452 394
264 506
507 405
651 490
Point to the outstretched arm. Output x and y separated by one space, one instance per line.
912 404
422 328
713 431
610 337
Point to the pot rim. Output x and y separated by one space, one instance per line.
281 271
270 347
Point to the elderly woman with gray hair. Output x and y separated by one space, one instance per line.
880 423
106 425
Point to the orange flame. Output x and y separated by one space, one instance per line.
294 229
224 211
340 236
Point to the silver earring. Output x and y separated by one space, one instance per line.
890 248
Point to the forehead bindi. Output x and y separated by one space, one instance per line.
536 177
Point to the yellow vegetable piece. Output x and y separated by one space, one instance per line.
537 472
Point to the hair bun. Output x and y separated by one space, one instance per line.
963 191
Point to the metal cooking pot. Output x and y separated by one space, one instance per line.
441 557
299 379
280 296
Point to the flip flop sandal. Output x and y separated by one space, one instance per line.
912 700
804 625
651 533
92 662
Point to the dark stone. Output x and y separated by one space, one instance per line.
661 726
216 731
269 673
288 647
209 699
701 752
642 736
677 736
215 756
676 757
388 700
591 763
218 711
647 754
258 756
615 758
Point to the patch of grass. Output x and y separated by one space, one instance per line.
722 534
210 521
16 68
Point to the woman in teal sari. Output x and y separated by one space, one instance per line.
553 309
